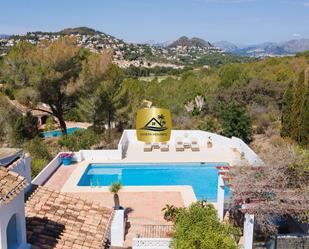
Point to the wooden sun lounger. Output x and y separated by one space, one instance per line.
179 147
179 140
164 147
155 145
195 147
194 140
147 147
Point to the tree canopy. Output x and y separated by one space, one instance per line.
198 227
55 72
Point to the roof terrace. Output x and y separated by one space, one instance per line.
145 202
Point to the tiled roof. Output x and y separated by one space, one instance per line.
59 220
11 184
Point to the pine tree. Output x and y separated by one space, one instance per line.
298 107
286 111
304 133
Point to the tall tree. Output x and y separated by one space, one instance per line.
286 111
108 103
235 121
55 71
295 110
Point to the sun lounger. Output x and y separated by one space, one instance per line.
164 147
179 147
147 147
179 140
155 145
187 145
194 140
195 147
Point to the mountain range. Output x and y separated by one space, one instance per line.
266 49
181 51
4 36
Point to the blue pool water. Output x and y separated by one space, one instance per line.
57 133
202 177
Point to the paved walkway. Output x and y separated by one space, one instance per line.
143 208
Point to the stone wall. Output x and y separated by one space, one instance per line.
292 241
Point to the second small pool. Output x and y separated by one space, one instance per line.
58 133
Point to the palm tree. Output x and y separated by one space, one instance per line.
114 188
170 212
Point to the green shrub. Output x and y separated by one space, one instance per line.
37 149
210 124
198 227
79 140
25 128
50 124
236 122
37 165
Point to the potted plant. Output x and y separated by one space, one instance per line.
209 142
66 158
114 188
170 212
242 155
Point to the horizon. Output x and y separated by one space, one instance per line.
242 22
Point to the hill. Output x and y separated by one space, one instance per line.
193 42
79 30
295 46
266 49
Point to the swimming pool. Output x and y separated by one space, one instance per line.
58 133
203 177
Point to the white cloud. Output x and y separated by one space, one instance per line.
296 35
306 5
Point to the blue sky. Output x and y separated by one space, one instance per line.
239 21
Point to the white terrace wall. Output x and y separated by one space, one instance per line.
123 143
99 155
151 243
202 138
23 168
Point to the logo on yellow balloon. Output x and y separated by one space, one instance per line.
153 125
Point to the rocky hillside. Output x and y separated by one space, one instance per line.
266 49
193 42
180 53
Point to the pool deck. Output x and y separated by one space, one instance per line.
218 153
65 179
143 203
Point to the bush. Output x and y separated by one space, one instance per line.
40 155
210 124
36 166
37 149
25 128
50 124
79 140
198 227
236 122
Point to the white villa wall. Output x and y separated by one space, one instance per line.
100 155
151 243
202 138
23 168
123 143
16 206
118 228
249 154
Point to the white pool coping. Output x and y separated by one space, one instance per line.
71 184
